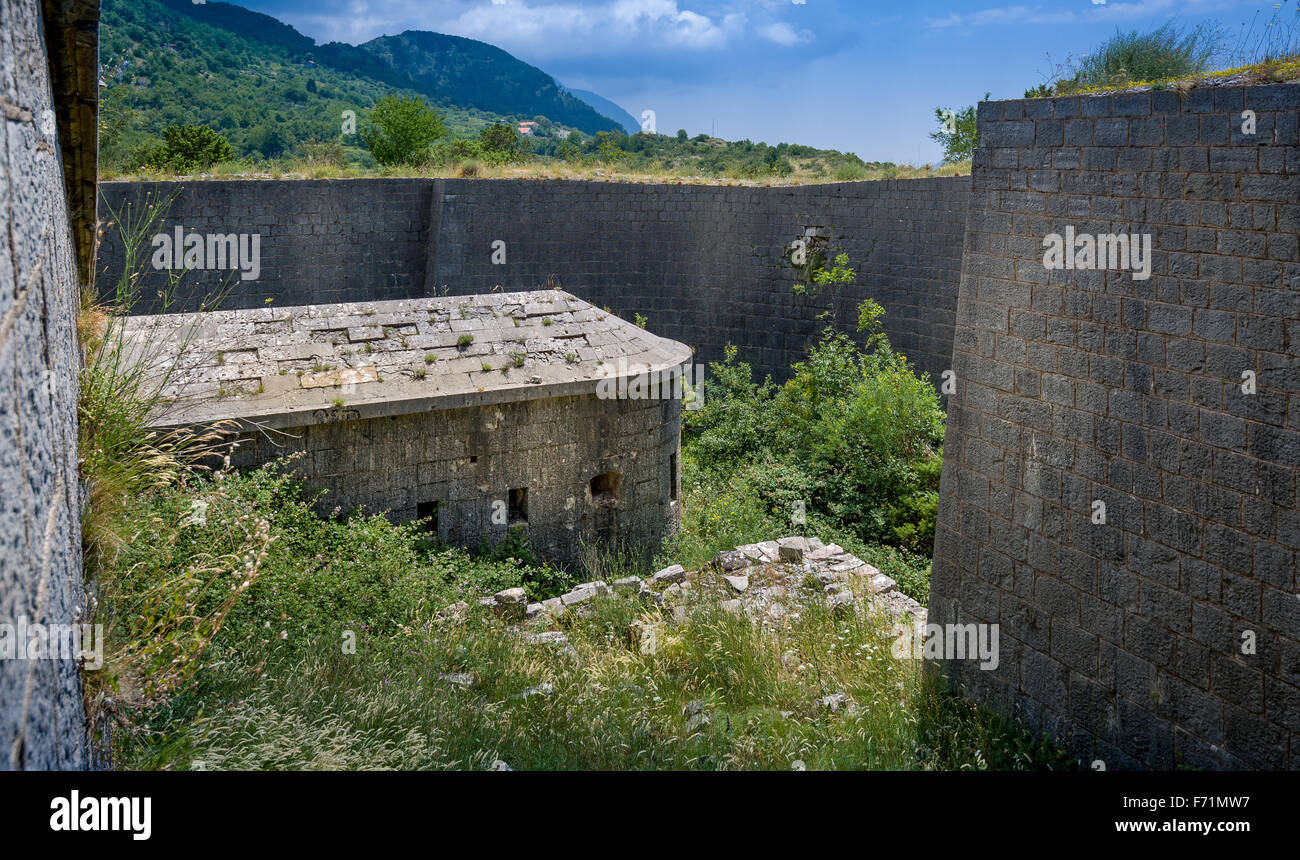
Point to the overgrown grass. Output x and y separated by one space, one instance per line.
154 630
443 694
721 512
1167 52
848 449
808 172
1171 57
339 655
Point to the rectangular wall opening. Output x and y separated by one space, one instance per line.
518 510
428 511
672 476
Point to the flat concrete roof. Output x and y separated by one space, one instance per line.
314 364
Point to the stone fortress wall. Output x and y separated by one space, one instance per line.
42 721
704 264
1120 472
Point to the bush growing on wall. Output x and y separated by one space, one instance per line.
1167 52
1163 54
856 422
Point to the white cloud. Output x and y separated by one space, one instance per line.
784 34
570 29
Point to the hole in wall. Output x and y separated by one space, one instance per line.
428 511
606 489
518 506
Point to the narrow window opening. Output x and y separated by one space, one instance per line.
473 458
518 506
672 476
428 511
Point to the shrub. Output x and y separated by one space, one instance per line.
500 144
185 149
328 153
851 172
449 152
401 130
855 430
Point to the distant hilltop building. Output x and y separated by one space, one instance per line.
527 127
477 413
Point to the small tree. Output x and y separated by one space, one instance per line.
401 130
268 141
957 132
571 147
610 146
186 148
500 144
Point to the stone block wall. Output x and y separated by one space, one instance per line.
706 265
320 242
1166 633
42 722
466 460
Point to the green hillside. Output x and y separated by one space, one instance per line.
268 89
480 75
281 101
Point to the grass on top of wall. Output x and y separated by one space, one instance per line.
1278 71
804 174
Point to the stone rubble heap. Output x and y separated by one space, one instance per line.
762 580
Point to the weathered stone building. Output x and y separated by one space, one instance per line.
479 414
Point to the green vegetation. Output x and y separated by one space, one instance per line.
1178 57
958 133
185 149
339 655
814 277
500 144
1167 52
155 629
401 130
851 442
465 695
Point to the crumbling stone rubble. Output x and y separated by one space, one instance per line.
765 581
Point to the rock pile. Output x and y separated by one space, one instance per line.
761 580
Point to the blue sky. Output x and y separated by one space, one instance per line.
861 76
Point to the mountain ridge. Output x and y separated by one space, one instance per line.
443 68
